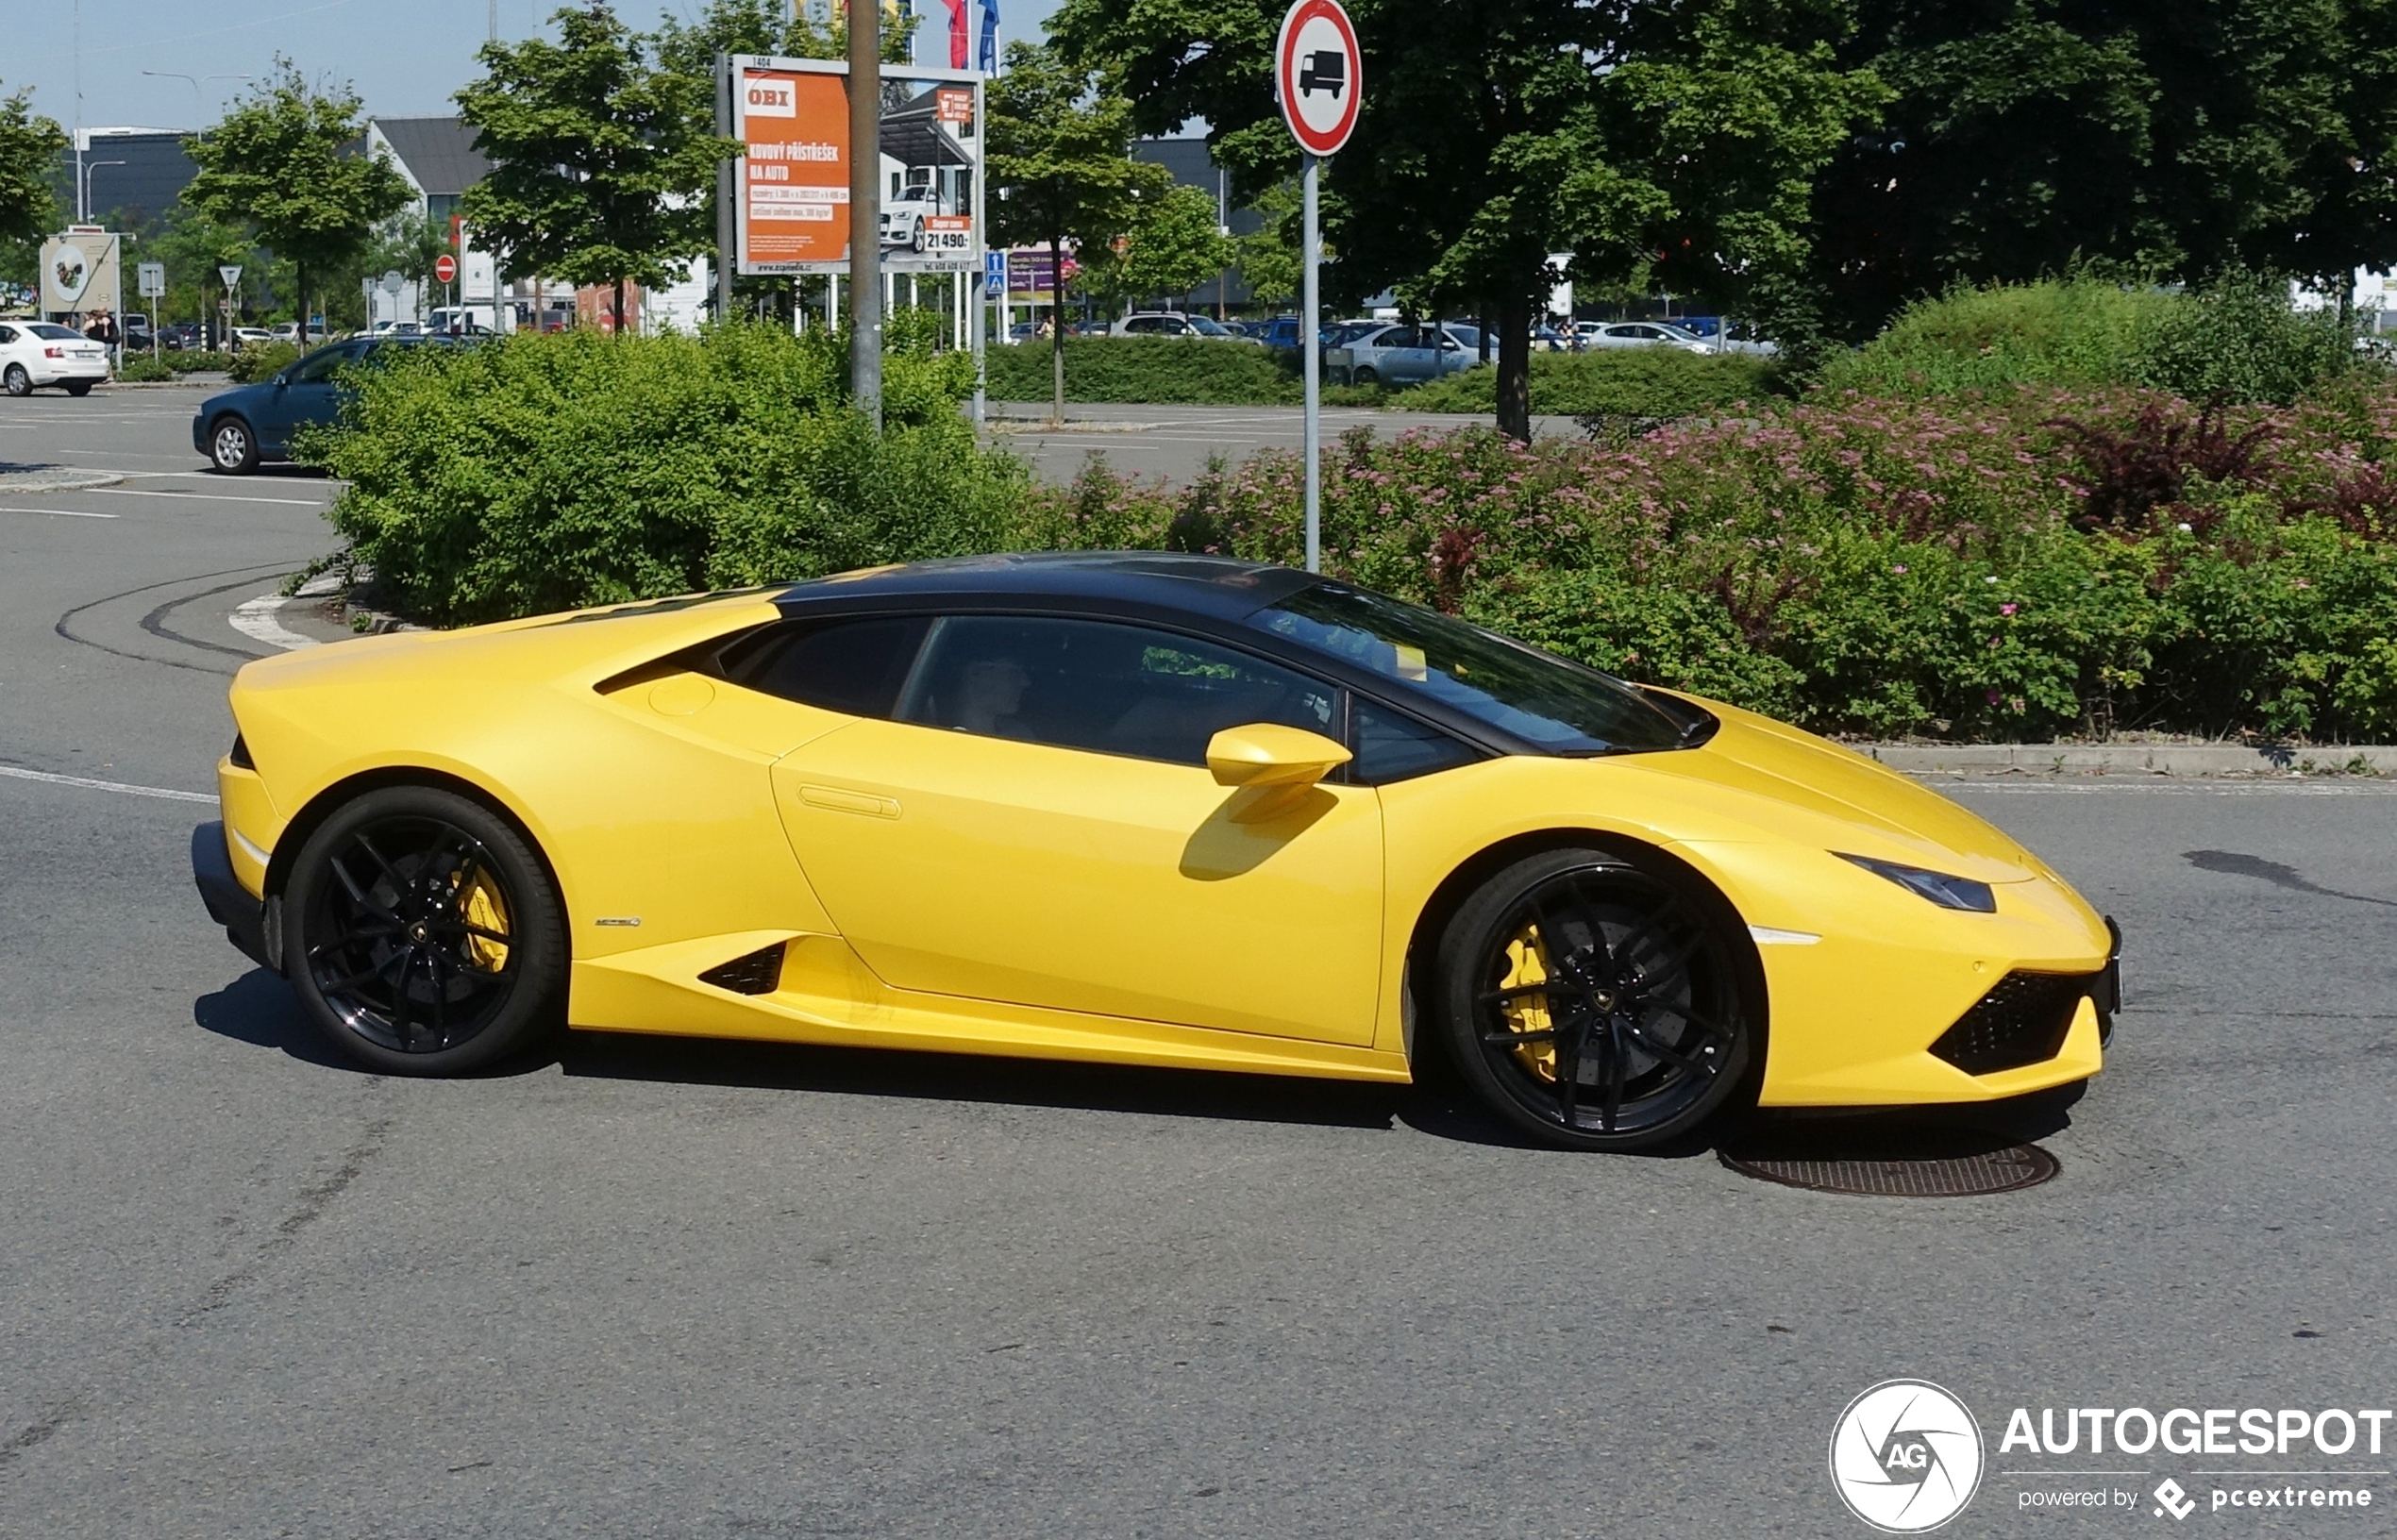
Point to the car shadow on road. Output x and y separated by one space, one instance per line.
257 1009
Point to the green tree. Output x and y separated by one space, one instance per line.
1268 258
2169 140
1170 244
285 162
29 148
1061 169
600 162
1652 141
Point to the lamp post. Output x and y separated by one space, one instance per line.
83 192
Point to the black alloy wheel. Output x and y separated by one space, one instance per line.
1595 1003
17 381
424 937
231 446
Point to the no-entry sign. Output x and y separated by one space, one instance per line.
1318 67
444 267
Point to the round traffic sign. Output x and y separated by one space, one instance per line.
1318 68
444 267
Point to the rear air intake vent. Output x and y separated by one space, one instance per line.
756 973
241 755
2020 1021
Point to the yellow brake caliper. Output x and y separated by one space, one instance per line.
486 911
1527 964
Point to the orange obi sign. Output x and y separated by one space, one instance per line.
793 182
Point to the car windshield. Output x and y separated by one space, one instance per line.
1562 706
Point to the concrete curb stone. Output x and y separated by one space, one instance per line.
2182 759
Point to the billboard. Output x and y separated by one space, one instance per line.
80 271
790 189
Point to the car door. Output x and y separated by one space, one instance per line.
1034 823
303 393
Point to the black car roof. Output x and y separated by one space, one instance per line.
1212 586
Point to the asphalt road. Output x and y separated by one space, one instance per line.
655 1288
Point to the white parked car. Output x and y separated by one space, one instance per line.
1175 324
251 336
37 353
1641 334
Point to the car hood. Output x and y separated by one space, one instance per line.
1852 804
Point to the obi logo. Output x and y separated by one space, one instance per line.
1905 1456
770 99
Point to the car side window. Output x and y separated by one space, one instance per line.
852 666
1391 745
318 367
8 335
1103 687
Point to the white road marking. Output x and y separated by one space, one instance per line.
90 784
203 497
255 619
62 513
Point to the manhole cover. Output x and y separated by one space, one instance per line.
1893 1162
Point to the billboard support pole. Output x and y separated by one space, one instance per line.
728 188
865 203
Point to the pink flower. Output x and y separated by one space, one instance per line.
1900 569
2007 608
1995 697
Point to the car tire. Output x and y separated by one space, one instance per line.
232 447
79 387
423 935
1656 1024
1363 377
16 381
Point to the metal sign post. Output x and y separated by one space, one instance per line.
1317 71
232 274
154 290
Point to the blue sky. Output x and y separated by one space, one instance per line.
403 58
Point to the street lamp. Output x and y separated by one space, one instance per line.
83 192
199 98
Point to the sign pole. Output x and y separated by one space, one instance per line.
1310 325
865 206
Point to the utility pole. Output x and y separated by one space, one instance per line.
865 207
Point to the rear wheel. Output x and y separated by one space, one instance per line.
1363 377
79 387
424 938
231 446
1593 1002
17 381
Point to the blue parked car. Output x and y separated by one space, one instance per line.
251 423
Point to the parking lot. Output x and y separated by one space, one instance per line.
655 1287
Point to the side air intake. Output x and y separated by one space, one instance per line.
753 973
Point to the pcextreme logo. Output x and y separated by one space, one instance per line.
1905 1456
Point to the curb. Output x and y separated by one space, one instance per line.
57 480
2275 760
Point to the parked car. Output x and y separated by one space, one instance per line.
180 336
238 427
1640 334
1406 353
1173 324
136 326
252 337
37 353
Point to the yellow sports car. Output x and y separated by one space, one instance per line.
1130 809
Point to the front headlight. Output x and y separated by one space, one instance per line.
1941 889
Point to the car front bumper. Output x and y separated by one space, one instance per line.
244 917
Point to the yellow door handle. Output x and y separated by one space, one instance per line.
834 799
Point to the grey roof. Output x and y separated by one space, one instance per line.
439 151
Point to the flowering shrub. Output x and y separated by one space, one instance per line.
1878 566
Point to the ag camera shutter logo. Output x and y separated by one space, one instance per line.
1905 1456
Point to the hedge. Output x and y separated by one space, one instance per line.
1634 382
1146 371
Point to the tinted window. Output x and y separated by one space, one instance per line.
855 666
1391 745
8 334
1107 687
318 367
1561 707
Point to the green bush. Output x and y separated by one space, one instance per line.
2240 341
1146 371
2079 332
194 360
263 361
553 472
139 368
1645 383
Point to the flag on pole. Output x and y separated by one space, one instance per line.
959 37
988 63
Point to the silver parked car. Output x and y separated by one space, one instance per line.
1640 334
1175 324
1398 355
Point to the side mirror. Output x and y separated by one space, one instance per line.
1266 754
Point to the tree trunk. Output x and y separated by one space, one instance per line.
299 281
1057 327
618 310
1483 339
1514 367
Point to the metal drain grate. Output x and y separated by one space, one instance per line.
1893 1162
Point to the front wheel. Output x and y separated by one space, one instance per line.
232 447
1595 1003
424 937
1363 377
16 381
